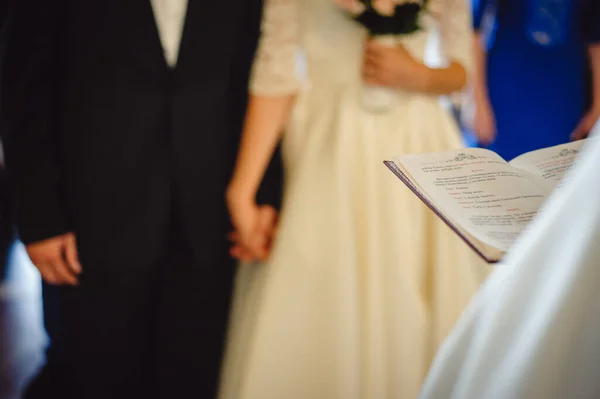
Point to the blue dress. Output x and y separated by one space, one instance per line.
537 93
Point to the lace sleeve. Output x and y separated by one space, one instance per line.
274 72
456 33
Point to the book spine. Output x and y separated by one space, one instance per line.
392 166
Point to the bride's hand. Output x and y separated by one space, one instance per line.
392 67
254 227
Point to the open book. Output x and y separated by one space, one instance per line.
486 200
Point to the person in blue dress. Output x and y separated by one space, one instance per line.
529 86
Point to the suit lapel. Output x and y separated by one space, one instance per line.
208 37
207 42
141 36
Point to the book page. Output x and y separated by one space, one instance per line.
490 199
547 167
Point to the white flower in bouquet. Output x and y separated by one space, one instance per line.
385 7
352 7
388 7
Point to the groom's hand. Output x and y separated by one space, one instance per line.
56 259
257 245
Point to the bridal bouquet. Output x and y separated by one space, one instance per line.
386 21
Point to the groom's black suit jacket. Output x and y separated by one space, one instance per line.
6 228
107 141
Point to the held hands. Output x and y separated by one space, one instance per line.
587 123
392 67
254 227
56 259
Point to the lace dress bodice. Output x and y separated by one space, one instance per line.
314 40
363 282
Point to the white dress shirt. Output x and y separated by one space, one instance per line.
170 18
533 330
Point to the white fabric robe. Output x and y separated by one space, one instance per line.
533 330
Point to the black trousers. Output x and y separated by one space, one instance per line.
146 331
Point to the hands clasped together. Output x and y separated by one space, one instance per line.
255 225
255 228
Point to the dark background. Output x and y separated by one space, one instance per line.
6 231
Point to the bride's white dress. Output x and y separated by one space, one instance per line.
364 282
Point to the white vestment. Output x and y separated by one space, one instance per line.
533 330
